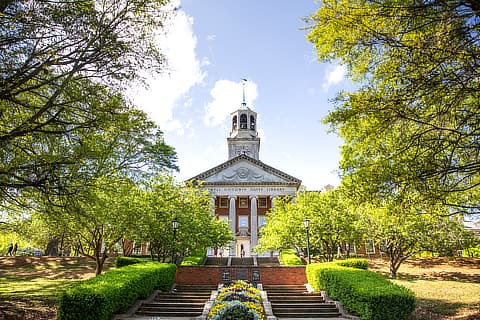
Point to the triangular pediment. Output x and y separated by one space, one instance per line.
246 171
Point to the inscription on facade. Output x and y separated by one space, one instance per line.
247 189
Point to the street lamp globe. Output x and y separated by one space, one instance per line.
306 223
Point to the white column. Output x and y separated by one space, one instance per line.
211 251
212 205
272 199
232 217
253 222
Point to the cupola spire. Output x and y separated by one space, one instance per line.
243 137
244 83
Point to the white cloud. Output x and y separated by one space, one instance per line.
211 37
184 72
226 98
334 75
205 61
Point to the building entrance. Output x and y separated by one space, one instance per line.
243 248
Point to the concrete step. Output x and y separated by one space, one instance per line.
296 303
268 262
184 301
190 288
309 306
186 295
307 316
169 305
295 299
216 261
242 261
170 314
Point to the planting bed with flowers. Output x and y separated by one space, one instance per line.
239 301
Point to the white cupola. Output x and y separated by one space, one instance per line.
243 137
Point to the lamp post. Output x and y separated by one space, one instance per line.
175 225
306 224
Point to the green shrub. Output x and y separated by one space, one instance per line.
195 259
101 297
357 263
288 257
362 292
122 261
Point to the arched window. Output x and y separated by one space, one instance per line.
234 123
252 123
243 121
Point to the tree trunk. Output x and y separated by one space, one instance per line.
396 259
52 247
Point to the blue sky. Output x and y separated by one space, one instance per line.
211 45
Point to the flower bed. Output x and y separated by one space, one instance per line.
239 301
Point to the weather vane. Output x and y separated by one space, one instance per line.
244 82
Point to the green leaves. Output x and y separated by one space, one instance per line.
332 223
412 124
63 117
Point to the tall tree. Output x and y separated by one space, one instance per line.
165 200
403 229
332 223
62 64
95 219
413 122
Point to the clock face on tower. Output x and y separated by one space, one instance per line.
243 150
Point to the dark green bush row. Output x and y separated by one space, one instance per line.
357 263
122 261
116 291
365 293
288 257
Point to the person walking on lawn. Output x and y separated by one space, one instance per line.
9 249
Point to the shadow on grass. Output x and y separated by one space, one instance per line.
456 262
440 276
14 309
428 309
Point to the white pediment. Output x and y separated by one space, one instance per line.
244 172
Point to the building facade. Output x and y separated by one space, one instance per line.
243 188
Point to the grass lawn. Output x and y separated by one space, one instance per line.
445 288
29 286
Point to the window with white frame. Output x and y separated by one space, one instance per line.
243 203
369 246
243 221
223 202
262 202
261 221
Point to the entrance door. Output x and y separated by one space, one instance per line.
245 245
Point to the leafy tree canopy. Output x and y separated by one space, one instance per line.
332 223
414 122
164 200
62 65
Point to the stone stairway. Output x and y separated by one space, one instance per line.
294 301
185 301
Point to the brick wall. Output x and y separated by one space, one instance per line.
214 274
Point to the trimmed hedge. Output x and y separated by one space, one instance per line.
363 292
122 261
357 263
116 291
288 257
